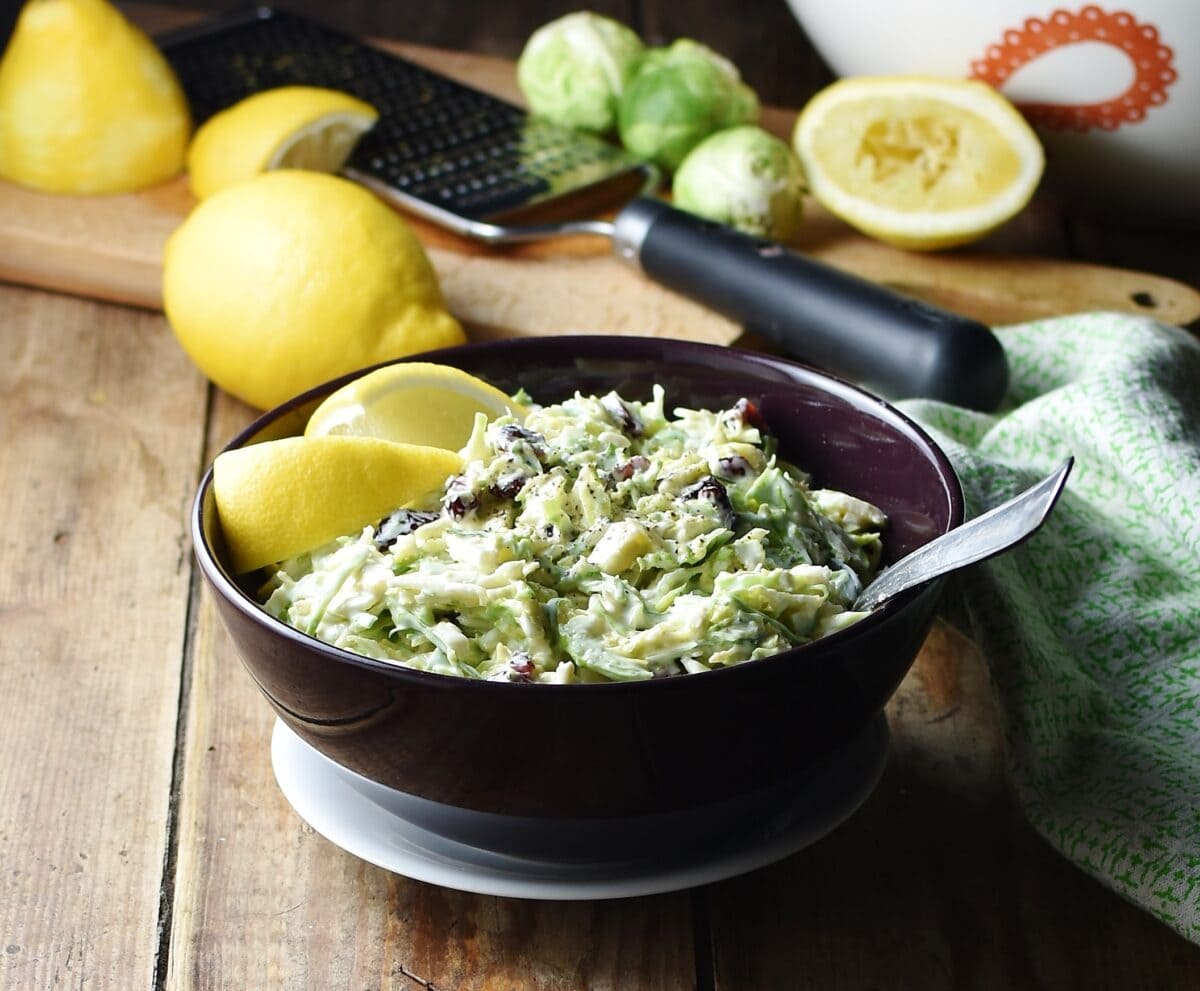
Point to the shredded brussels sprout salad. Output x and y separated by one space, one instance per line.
593 540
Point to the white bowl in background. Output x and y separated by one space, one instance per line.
1113 90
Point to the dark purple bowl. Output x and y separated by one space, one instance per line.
613 751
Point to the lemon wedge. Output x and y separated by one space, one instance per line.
412 403
88 105
291 127
915 161
283 497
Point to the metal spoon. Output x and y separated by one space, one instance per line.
985 536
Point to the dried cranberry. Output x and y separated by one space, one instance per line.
399 524
622 415
508 486
750 412
707 488
734 466
460 500
509 434
711 490
627 469
461 505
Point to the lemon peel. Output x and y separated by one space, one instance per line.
300 127
284 497
915 161
87 103
415 402
289 279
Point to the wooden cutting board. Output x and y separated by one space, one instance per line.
109 247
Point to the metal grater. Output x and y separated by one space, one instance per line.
441 148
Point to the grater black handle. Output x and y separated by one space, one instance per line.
817 314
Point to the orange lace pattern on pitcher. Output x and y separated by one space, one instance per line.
1140 43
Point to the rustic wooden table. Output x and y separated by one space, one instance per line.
144 843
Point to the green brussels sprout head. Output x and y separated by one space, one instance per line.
746 178
679 96
573 70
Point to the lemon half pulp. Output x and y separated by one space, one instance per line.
414 403
918 162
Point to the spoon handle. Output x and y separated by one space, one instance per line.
983 537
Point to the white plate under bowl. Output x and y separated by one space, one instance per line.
324 795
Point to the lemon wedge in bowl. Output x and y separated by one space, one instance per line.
290 127
413 403
283 497
918 162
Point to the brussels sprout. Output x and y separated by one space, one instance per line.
746 178
679 96
573 70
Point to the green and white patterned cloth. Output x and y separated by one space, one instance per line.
1091 629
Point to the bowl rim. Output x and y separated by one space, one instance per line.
862 399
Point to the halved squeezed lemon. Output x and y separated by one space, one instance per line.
918 162
283 497
412 403
290 127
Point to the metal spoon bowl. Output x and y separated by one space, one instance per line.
985 536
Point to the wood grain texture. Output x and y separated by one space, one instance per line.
97 464
938 882
110 247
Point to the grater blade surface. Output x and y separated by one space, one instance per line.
440 147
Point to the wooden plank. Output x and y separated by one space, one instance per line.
259 899
100 415
1120 240
110 247
938 882
263 901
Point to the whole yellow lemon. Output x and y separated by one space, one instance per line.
87 103
291 278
